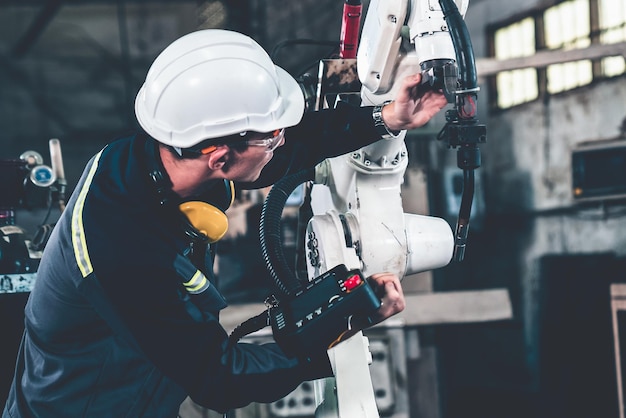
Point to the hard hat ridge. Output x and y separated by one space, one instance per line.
214 83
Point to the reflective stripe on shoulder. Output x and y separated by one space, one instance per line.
78 233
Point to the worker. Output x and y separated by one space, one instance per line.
123 320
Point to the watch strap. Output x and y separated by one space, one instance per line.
379 123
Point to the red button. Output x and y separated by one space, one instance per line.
352 282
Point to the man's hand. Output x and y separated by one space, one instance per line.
388 288
413 106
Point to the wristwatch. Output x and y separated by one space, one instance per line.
379 123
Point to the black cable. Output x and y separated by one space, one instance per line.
248 327
462 44
270 232
40 239
49 200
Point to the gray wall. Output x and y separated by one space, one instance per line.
530 209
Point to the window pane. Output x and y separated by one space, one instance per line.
613 26
569 75
517 86
567 27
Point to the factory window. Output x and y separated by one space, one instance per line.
514 41
541 35
612 21
567 27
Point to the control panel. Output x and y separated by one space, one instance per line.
319 312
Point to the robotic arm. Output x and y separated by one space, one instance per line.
358 220
358 216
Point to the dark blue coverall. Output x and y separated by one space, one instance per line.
121 323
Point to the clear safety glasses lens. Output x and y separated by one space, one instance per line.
271 142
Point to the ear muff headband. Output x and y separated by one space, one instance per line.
206 218
206 222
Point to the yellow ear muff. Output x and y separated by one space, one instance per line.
206 218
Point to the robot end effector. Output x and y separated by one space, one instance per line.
399 36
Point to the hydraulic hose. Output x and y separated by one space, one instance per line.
283 276
462 44
463 123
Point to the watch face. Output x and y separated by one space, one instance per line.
42 176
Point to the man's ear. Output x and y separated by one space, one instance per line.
219 157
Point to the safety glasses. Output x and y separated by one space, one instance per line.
271 142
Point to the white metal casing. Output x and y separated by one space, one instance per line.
379 47
386 27
429 32
359 219
426 17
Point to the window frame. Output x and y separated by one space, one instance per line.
537 14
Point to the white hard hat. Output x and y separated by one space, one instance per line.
214 83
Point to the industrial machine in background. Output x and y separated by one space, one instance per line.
27 184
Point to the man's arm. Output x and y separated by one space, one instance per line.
331 132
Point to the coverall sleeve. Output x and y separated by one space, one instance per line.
320 135
186 341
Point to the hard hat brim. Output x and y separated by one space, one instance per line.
290 92
294 110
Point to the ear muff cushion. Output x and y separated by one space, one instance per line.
206 218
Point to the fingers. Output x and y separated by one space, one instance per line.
390 292
393 300
412 80
410 85
382 279
415 104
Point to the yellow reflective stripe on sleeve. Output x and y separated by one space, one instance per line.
78 233
197 283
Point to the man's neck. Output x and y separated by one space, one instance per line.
188 176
